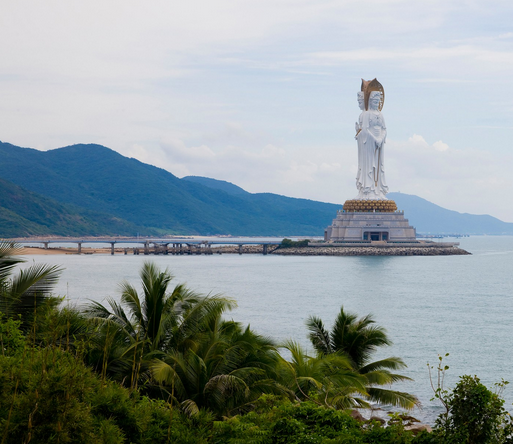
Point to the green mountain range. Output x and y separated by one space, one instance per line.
92 190
24 213
99 179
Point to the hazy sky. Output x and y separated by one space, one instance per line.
263 93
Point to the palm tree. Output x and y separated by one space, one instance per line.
328 380
141 327
24 294
357 340
228 370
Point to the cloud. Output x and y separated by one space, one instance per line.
259 93
440 146
241 156
454 178
487 60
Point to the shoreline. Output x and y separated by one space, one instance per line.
40 251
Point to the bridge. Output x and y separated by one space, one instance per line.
154 246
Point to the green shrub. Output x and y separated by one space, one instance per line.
12 340
49 395
475 415
276 421
289 243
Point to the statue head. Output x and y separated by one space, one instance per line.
368 86
361 100
374 100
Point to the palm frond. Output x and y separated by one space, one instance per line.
189 407
392 363
38 279
9 259
392 397
319 336
167 375
130 298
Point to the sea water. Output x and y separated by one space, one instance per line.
430 305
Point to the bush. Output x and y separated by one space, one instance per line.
276 421
49 395
288 243
12 340
475 415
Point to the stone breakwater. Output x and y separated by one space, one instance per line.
344 251
371 251
246 249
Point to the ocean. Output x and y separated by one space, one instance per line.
462 305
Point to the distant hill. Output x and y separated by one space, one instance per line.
222 185
24 213
100 179
90 189
427 217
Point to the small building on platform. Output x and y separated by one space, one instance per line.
370 221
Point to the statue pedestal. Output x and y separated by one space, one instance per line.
370 225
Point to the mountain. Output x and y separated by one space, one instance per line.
222 185
99 179
24 213
106 193
427 217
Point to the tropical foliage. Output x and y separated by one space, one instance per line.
140 328
162 365
325 380
356 339
228 370
26 293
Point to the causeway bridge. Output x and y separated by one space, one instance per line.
155 246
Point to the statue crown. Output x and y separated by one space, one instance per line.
372 85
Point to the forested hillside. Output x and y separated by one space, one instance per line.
93 190
24 213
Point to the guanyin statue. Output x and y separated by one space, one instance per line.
371 135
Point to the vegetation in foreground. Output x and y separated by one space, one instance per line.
164 366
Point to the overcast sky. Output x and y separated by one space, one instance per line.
262 93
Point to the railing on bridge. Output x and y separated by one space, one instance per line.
155 246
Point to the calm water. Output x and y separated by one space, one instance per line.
430 305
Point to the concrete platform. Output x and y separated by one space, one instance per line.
370 226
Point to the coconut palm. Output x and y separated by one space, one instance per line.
357 340
229 369
24 293
325 379
133 331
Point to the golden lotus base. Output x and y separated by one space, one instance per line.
370 206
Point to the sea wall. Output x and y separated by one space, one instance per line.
344 251
371 251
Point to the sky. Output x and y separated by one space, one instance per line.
262 93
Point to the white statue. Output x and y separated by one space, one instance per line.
371 135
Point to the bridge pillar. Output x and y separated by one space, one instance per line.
112 248
146 248
79 248
240 248
265 250
46 245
